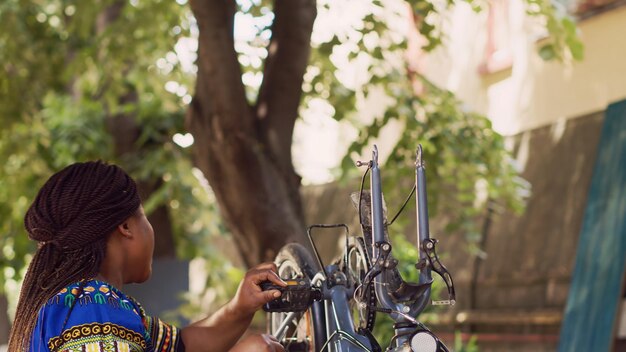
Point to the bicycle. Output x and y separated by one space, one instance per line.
333 308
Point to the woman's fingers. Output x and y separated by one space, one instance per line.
273 343
265 272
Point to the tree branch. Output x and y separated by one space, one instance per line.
217 61
281 90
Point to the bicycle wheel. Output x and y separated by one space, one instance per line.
358 265
299 332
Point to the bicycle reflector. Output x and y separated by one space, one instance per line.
426 341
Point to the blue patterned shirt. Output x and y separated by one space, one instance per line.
95 316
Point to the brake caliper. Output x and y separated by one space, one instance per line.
429 247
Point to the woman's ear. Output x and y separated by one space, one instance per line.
124 229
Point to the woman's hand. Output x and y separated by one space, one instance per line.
258 342
250 297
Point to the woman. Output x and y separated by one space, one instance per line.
93 238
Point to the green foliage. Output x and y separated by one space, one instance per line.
562 43
65 73
470 346
360 68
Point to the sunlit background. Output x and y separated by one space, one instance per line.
508 97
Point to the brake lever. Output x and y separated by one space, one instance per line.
433 260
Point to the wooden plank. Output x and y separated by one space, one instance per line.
513 338
495 317
593 298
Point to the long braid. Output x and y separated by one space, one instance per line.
71 218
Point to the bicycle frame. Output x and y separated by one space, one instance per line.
334 313
332 317
339 320
379 240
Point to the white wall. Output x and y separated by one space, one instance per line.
533 92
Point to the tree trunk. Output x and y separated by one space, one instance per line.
4 320
245 151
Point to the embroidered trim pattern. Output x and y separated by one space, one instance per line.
84 334
165 337
97 292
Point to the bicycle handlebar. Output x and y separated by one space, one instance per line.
392 291
421 203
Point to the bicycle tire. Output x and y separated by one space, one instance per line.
367 316
308 334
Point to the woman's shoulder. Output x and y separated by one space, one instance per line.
94 301
92 292
89 308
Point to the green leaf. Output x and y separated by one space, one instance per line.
577 48
547 52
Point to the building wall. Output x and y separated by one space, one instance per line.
531 92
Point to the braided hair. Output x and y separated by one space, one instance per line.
71 218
